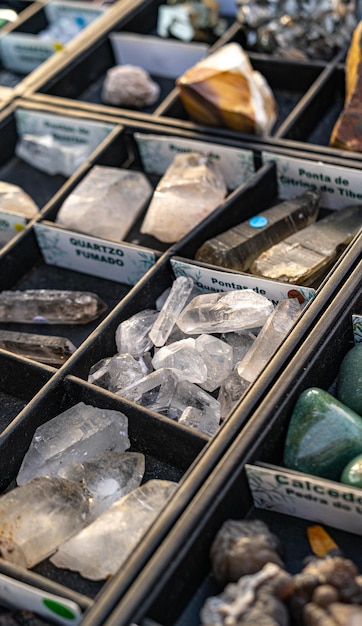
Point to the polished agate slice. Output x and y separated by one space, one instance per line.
224 90
238 247
305 256
50 306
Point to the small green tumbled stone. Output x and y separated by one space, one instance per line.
349 387
352 473
323 435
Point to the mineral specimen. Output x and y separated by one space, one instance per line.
191 188
303 258
346 133
37 517
202 421
77 434
13 199
184 358
43 348
106 203
224 90
47 154
103 547
238 247
50 306
129 86
191 21
349 386
296 29
218 358
119 371
132 334
172 307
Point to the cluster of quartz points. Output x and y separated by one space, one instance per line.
247 563
79 498
193 356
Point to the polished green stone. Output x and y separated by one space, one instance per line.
352 473
323 435
349 387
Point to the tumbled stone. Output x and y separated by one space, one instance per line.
13 199
352 473
191 188
106 202
129 86
323 435
349 387
224 90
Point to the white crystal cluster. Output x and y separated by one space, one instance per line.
194 357
78 476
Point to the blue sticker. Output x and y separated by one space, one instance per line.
259 221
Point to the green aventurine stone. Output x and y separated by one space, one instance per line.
323 435
352 473
349 388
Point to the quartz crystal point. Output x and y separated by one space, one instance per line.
176 300
107 543
75 435
132 334
218 358
231 391
239 342
129 86
106 203
47 154
305 256
44 348
37 517
275 329
199 420
225 312
191 189
224 90
50 306
238 247
346 133
107 476
184 357
119 371
13 199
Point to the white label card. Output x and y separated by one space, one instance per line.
210 280
166 58
10 225
122 263
323 501
339 187
22 52
89 11
357 327
158 152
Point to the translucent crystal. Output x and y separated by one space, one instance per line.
107 476
106 543
155 391
231 391
238 247
225 312
120 193
190 395
303 257
13 199
78 434
47 154
44 348
119 371
184 357
218 358
239 342
129 86
37 517
50 306
198 420
132 334
191 189
176 300
269 339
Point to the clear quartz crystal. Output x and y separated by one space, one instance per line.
183 357
44 348
50 306
231 391
191 189
47 154
224 312
78 434
119 371
239 342
37 517
155 391
132 334
176 300
199 420
120 193
107 476
107 543
218 358
269 339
